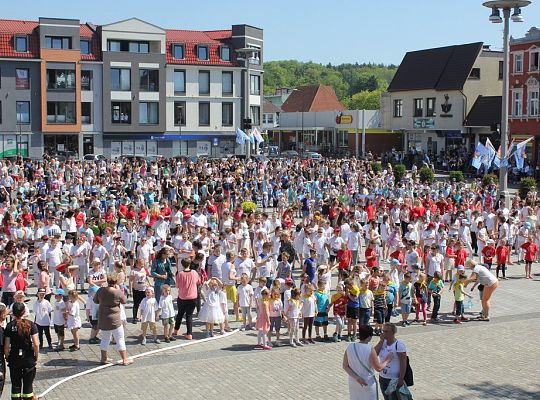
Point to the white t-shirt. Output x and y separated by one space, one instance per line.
166 307
485 277
245 294
42 310
147 309
58 314
392 369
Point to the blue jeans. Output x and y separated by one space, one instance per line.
383 382
365 315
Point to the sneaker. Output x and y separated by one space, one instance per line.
457 321
408 323
311 341
404 324
325 338
424 323
259 346
299 343
207 334
157 341
188 336
60 347
267 347
51 347
276 344
292 344
211 333
242 329
167 340
143 341
335 338
339 338
172 338
94 340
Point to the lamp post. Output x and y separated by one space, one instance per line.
506 6
247 53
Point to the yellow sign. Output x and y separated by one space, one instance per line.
344 119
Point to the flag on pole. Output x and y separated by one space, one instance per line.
477 157
240 136
520 154
498 158
257 135
491 153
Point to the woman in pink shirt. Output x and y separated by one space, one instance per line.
187 282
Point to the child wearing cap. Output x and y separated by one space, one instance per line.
59 319
488 252
530 254
42 310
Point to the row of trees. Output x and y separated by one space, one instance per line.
357 86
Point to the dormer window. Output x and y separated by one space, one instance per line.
178 51
21 44
225 53
202 53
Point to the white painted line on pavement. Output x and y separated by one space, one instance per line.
148 353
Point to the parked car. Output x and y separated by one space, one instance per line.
260 158
289 154
272 151
94 157
311 155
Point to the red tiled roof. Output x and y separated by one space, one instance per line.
9 28
312 98
95 44
219 35
17 26
190 40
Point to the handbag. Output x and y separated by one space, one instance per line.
369 371
409 376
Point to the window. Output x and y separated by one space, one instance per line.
114 45
85 46
255 84
204 82
202 52
418 107
534 61
60 112
148 113
517 103
430 111
21 44
179 113
149 80
268 118
86 112
204 114
139 47
398 108
23 112
60 79
475 73
179 81
227 114
121 112
518 62
255 115
22 78
501 70
86 80
227 83
57 42
226 53
533 102
178 51
343 139
120 79
128 46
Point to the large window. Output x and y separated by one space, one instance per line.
23 112
179 113
149 80
148 113
268 118
60 112
398 108
227 83
128 46
60 79
120 79
255 115
121 112
178 51
534 61
227 114
255 84
86 80
58 42
86 112
202 52
518 62
85 46
430 109
533 102
501 70
517 103
204 82
179 81
22 78
343 139
418 107
225 53
204 114
21 44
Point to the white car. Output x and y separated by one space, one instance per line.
94 157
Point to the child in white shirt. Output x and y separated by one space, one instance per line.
148 310
43 309
166 310
245 298
59 319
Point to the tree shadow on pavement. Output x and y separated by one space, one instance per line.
490 390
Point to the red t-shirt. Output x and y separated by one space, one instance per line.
340 304
371 262
488 252
398 255
530 251
502 254
344 258
461 257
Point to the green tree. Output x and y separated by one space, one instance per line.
365 100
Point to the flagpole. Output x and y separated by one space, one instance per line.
504 196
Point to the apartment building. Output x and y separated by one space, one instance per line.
126 88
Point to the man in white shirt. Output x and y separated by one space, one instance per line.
129 239
215 262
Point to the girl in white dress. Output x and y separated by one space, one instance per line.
211 312
360 362
74 321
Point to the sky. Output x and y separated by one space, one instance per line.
337 31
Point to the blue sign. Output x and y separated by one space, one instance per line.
215 141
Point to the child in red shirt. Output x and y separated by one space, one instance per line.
449 260
461 254
339 301
488 252
502 253
530 254
371 254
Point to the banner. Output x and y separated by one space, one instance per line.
257 135
520 154
240 136
479 154
491 153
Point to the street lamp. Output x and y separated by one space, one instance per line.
247 54
506 6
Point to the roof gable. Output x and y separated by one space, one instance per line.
312 98
135 25
442 68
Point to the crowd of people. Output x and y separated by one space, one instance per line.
280 247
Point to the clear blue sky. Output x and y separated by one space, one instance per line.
321 31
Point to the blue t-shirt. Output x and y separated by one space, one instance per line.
322 301
436 287
391 292
310 268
